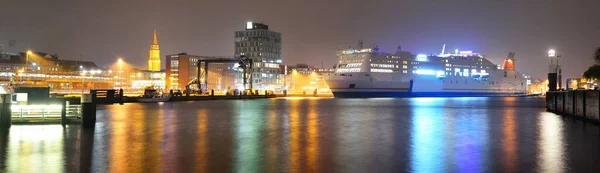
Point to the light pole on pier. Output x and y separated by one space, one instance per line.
554 72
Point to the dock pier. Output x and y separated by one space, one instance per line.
583 104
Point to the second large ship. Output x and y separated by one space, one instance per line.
368 72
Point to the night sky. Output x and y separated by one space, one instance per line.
312 30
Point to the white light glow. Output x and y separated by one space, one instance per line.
421 57
425 72
551 53
248 25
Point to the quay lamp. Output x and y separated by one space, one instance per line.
551 53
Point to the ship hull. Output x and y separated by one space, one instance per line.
414 86
391 94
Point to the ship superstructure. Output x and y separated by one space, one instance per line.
368 72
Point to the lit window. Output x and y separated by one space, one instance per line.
381 70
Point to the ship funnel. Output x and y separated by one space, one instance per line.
509 62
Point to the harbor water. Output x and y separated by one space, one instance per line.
498 134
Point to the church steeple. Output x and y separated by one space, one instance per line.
155 40
154 58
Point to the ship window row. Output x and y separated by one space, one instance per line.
350 61
354 65
462 58
378 70
383 65
467 72
347 70
384 61
466 82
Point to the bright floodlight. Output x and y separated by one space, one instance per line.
29 52
120 61
551 53
248 25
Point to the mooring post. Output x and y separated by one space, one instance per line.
88 110
63 112
121 97
5 113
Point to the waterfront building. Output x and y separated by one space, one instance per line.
141 79
263 46
302 78
581 83
182 71
154 55
44 69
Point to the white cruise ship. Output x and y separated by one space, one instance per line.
368 72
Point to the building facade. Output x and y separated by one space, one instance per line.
154 55
182 71
302 79
263 46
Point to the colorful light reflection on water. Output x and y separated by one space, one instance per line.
311 135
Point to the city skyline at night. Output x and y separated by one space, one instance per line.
97 31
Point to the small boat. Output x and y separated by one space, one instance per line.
155 98
151 95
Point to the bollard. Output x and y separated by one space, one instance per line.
212 92
285 93
187 94
266 93
5 113
121 98
63 113
88 110
315 93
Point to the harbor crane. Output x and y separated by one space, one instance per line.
244 63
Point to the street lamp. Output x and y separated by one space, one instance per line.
83 72
555 72
29 52
120 62
551 53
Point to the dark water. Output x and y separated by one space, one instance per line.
312 135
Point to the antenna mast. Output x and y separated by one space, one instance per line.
444 49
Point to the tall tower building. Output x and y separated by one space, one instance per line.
264 48
154 58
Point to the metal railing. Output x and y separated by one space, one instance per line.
44 111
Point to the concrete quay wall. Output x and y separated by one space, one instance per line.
579 103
